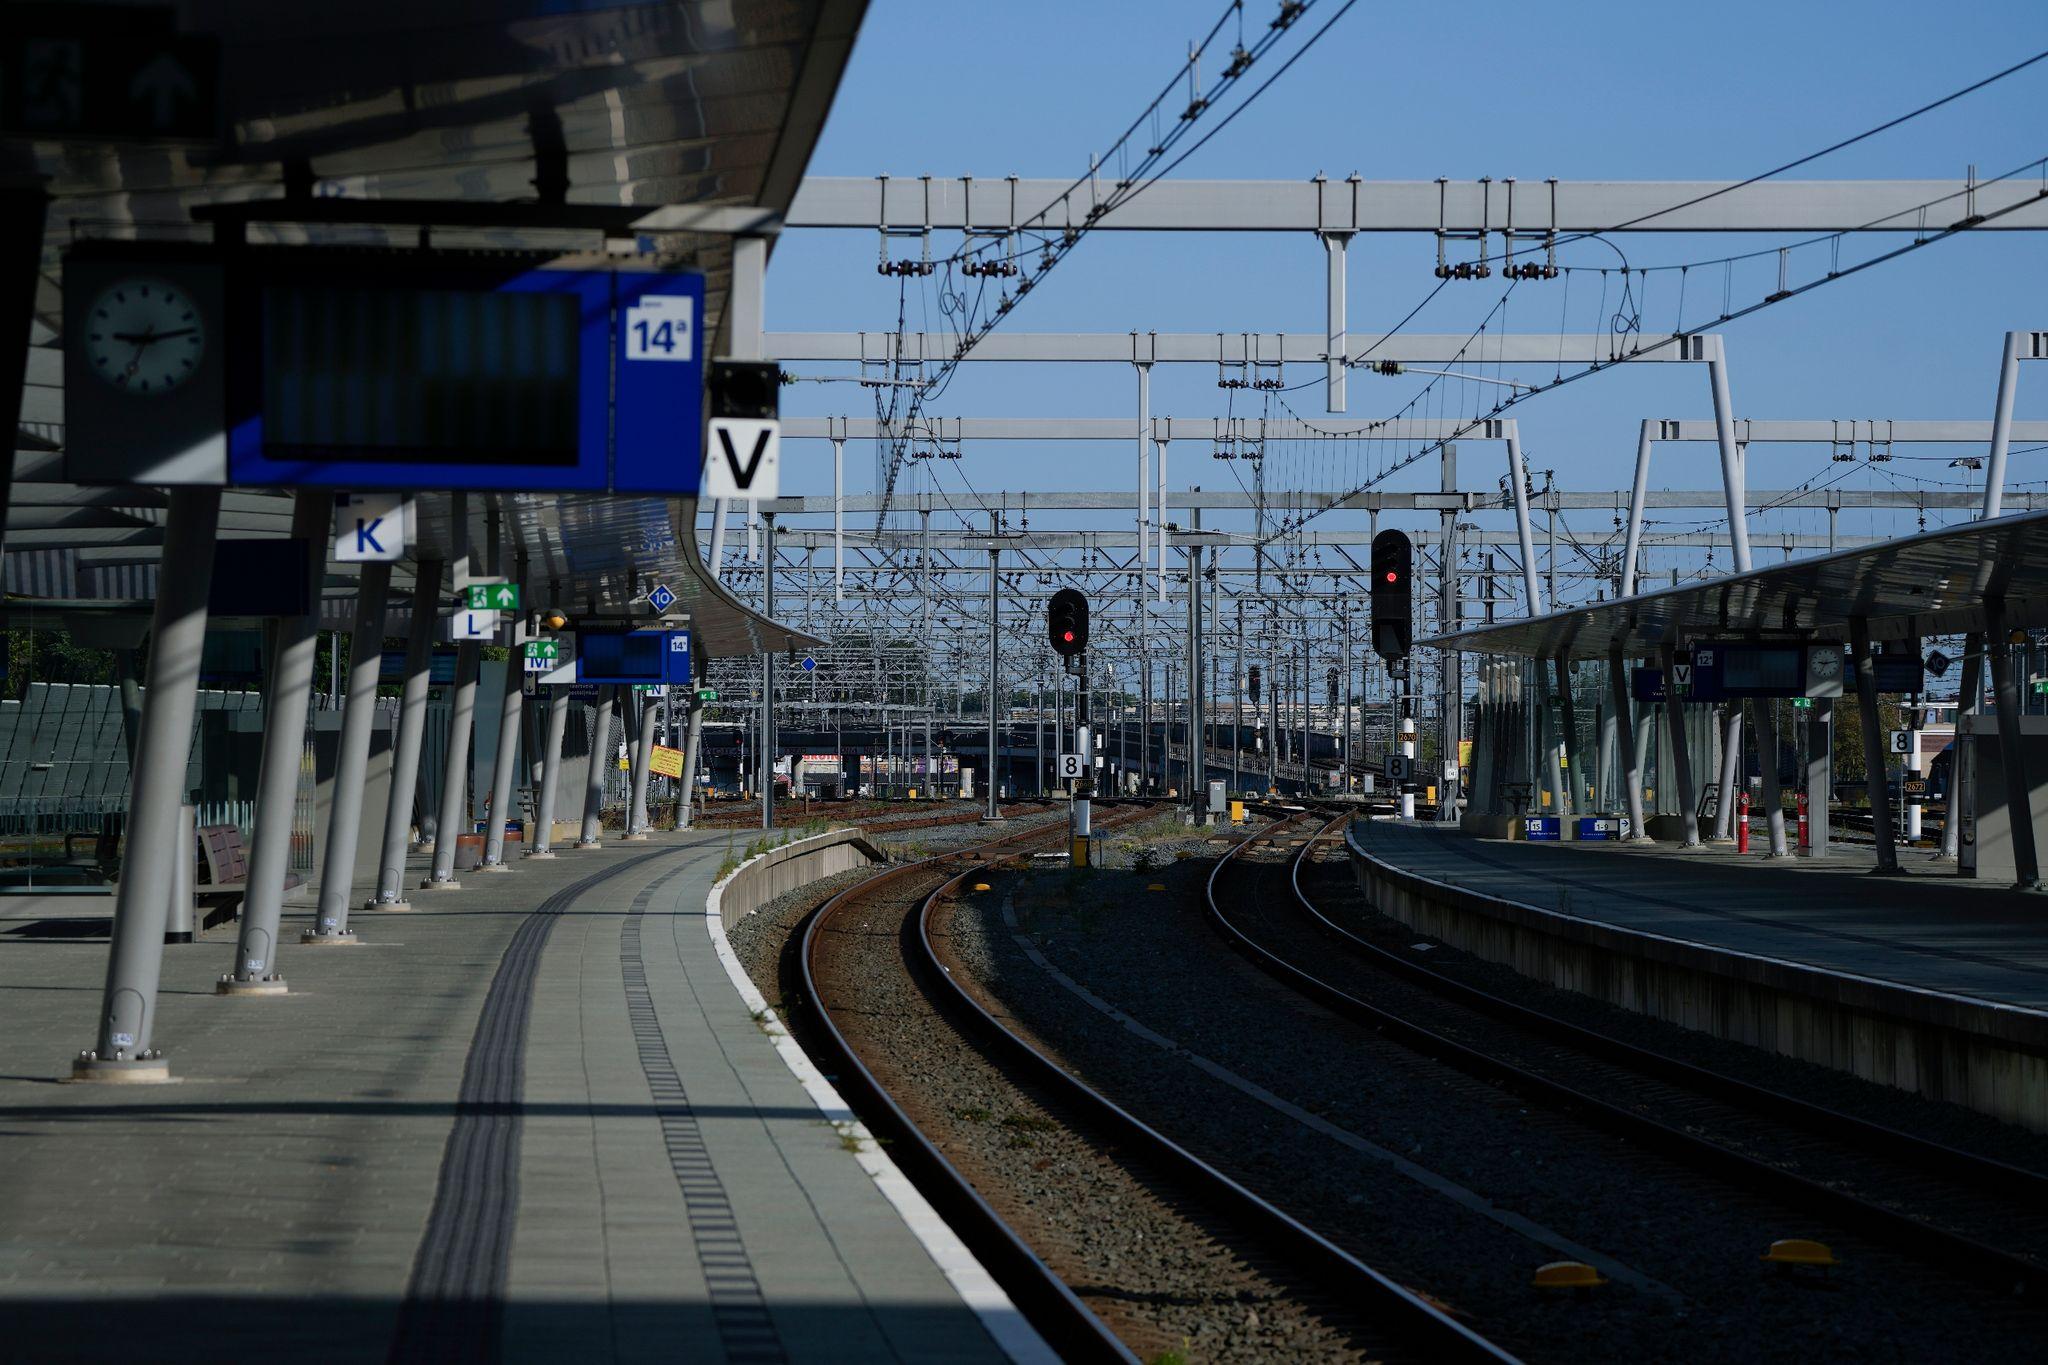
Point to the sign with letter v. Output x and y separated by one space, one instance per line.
742 459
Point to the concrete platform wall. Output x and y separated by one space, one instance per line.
784 869
1986 1056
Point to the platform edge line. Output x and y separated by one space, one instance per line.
999 1316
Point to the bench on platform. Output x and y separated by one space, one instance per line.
227 874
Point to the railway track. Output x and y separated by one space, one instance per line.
904 1037
1970 1214
878 817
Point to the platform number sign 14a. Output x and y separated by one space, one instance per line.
661 327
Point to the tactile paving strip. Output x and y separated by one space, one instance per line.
454 1298
738 1308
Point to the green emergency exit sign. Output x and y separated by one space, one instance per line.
492 596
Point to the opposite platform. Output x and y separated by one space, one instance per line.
1925 982
1926 929
530 1120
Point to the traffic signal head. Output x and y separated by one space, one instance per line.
1393 604
1251 683
1331 679
1066 622
744 388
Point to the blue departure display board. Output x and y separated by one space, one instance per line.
638 657
388 372
420 374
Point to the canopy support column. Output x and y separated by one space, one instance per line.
2019 802
542 843
1873 745
296 640
1625 737
1681 753
121 1049
412 726
352 767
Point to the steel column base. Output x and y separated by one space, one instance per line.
141 1071
633 838
588 843
541 853
268 985
314 939
450 885
993 820
375 907
492 867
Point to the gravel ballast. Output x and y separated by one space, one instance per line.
1166 1277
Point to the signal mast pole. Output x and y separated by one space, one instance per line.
1066 628
994 644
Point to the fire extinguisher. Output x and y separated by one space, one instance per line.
1742 823
1802 820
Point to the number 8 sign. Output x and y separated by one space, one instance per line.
661 327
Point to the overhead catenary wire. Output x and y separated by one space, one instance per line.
972 329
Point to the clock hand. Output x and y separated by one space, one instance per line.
150 338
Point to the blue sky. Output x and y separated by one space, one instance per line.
1587 91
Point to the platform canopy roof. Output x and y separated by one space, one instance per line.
1932 583
562 129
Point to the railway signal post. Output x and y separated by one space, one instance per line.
1393 626
1066 627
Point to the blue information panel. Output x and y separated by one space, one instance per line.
1726 669
638 658
1542 828
1602 827
380 373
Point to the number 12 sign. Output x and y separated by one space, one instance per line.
662 327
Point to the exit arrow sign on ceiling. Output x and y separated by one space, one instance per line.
492 596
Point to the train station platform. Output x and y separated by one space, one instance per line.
533 1120
1925 980
1925 929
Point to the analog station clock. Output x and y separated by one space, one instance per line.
1824 668
145 335
145 397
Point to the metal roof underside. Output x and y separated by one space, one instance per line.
1932 583
683 102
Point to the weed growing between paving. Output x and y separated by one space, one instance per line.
767 843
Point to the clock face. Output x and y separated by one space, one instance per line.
1825 664
144 336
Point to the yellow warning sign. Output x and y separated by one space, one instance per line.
666 762
1464 753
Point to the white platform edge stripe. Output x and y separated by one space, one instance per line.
1016 1336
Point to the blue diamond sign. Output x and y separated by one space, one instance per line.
661 599
810 664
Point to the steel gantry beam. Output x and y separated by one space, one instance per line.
1217 430
1466 500
1047 542
1532 207
1228 349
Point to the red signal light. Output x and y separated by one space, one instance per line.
1393 577
1067 635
